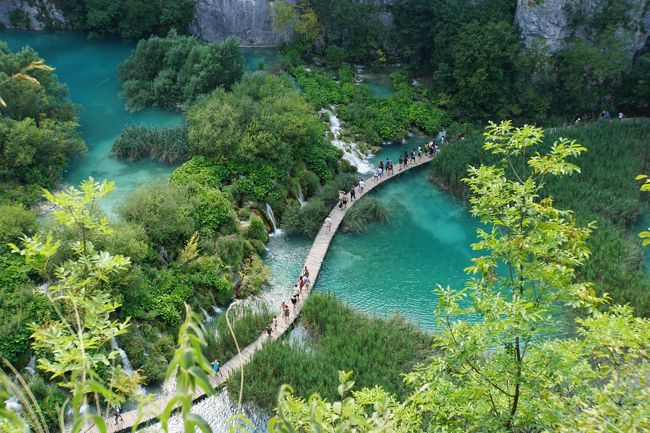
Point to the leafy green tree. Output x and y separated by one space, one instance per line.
74 344
174 70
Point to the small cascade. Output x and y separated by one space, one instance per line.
276 230
351 152
126 364
31 367
301 197
208 318
217 310
360 77
13 404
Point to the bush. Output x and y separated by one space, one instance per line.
257 228
167 145
202 171
212 212
164 210
363 213
174 70
128 239
15 221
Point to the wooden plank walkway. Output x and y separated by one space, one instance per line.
313 263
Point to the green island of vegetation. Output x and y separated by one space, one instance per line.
559 336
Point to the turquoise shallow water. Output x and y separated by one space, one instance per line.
89 68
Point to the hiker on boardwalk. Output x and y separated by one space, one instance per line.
419 152
301 283
269 331
413 155
285 311
118 414
406 158
294 300
400 162
375 175
306 283
215 365
344 199
362 185
305 271
390 167
353 194
328 224
275 322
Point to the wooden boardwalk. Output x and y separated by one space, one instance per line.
313 263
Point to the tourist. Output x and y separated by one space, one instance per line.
301 282
387 165
345 199
307 283
399 161
443 138
268 330
362 185
608 116
118 414
328 224
305 271
294 299
419 152
275 322
215 365
620 115
380 166
284 310
353 194
375 175
406 158
413 155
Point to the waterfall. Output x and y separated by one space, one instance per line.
276 230
301 197
13 404
126 364
351 152
208 318
31 367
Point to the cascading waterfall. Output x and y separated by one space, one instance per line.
126 364
301 197
276 230
351 152
31 367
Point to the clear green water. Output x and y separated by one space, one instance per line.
89 68
381 86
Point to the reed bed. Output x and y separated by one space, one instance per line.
167 145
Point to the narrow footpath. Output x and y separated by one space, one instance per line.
313 263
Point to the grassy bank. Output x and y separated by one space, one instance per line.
605 192
377 349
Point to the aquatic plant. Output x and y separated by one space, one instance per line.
364 213
167 145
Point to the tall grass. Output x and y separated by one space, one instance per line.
248 325
377 349
364 213
605 192
167 145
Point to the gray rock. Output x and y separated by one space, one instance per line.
41 13
547 21
247 20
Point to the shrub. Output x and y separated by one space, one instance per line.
212 212
15 221
128 239
230 249
363 213
200 170
257 228
173 70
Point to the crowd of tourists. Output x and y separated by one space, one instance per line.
586 117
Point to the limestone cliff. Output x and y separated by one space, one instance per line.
553 22
33 14
247 20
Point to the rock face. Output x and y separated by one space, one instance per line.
40 14
247 20
549 21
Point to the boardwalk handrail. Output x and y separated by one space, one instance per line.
313 263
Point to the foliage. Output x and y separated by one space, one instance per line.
212 212
257 228
378 350
167 145
307 220
128 19
200 170
163 210
174 70
258 131
363 213
72 346
255 276
15 221
37 125
604 192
